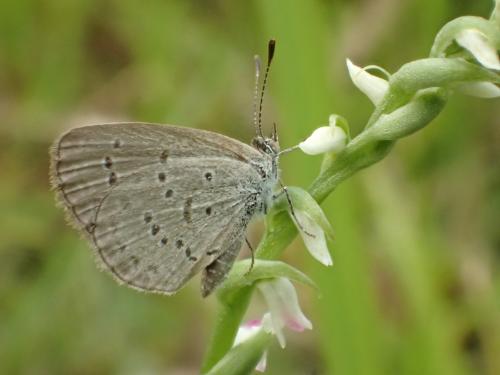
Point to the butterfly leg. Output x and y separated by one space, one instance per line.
216 272
253 256
284 190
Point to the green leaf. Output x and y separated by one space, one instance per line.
240 278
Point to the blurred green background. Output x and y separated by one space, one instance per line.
415 287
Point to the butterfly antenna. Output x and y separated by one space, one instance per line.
256 92
270 55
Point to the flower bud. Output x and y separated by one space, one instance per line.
372 86
331 138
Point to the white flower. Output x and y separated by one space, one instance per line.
372 86
313 236
331 138
480 47
480 89
283 303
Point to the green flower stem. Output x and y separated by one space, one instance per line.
243 358
229 315
366 149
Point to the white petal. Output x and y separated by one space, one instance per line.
283 303
324 139
480 89
273 322
262 365
292 314
316 245
246 331
479 46
372 86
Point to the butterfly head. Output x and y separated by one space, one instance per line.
269 146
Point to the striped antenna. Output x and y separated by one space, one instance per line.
256 93
270 54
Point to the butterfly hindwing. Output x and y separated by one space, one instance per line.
157 239
159 203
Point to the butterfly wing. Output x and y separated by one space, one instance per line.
159 203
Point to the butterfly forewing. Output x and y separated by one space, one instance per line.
159 203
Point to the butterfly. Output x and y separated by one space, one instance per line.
161 203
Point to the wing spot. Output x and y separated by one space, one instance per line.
208 211
153 268
208 176
148 216
179 243
188 255
155 229
187 209
112 178
164 241
90 227
169 193
212 252
161 177
117 143
163 156
108 163
134 260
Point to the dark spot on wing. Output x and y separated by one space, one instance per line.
187 209
161 177
108 163
112 178
179 243
208 210
148 216
212 252
134 260
169 193
164 240
208 176
127 264
155 229
188 255
117 143
152 268
90 227
163 156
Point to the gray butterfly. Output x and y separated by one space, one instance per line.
160 203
